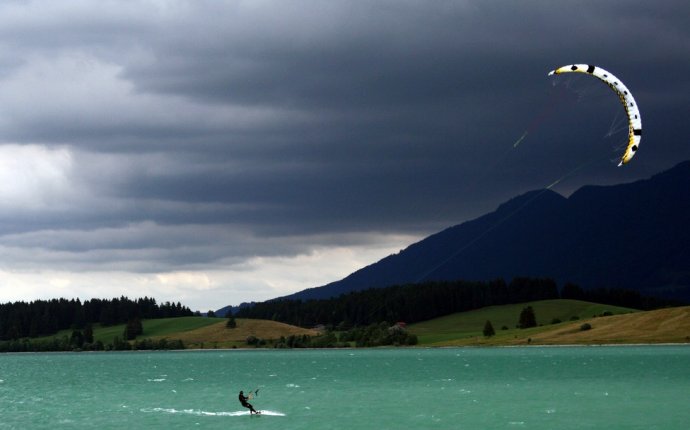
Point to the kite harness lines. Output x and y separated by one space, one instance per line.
626 98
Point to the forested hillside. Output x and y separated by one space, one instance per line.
420 302
632 236
47 317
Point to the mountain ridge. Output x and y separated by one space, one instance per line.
632 235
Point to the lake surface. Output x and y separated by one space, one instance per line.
622 387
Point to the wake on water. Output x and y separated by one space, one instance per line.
209 414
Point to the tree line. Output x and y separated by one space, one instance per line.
420 302
76 342
46 317
381 334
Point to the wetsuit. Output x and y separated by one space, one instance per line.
246 404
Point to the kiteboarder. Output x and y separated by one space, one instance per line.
246 404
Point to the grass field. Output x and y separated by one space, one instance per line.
671 325
453 329
199 332
625 325
158 328
218 336
152 328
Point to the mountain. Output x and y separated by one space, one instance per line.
634 236
226 311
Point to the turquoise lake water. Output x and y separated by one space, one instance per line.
624 387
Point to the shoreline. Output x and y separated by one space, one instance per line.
576 345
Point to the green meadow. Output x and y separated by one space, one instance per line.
504 319
197 332
154 328
558 322
164 327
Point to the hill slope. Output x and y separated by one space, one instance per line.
471 323
670 325
631 236
218 336
158 328
198 332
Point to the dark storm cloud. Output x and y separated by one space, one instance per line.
389 53
399 96
202 132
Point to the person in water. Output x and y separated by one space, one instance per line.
243 400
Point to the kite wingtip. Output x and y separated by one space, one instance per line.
624 161
551 72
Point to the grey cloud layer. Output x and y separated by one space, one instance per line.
230 129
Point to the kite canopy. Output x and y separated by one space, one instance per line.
634 120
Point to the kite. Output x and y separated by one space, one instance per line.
631 109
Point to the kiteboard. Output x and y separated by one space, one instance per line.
261 413
198 412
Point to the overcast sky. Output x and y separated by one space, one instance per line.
215 152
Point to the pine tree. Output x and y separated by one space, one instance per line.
489 329
527 318
133 329
231 322
88 333
77 339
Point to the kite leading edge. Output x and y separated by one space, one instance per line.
626 98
